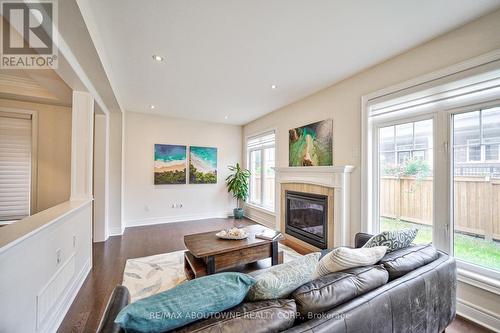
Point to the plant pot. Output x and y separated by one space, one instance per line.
238 213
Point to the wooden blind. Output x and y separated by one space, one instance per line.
15 166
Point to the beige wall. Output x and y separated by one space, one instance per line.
146 203
54 151
342 101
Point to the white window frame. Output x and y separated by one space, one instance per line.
377 125
465 266
481 144
261 206
442 230
34 155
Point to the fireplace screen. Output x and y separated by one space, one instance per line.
307 217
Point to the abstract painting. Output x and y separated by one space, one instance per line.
311 145
170 164
202 165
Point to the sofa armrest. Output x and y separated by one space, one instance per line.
118 300
360 239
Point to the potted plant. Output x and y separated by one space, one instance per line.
237 184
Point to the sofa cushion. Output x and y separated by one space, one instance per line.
252 317
336 288
280 280
394 240
342 258
185 303
403 261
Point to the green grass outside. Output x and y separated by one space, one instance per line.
467 248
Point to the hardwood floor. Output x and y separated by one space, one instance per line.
109 261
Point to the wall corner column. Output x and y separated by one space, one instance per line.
82 138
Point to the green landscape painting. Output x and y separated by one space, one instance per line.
311 145
202 165
170 164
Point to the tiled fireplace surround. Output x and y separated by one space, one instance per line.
331 181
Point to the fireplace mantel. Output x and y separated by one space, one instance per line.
336 177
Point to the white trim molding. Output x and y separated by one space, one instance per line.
170 219
478 315
260 215
336 177
67 299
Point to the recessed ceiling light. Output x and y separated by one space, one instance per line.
273 86
151 106
225 117
158 58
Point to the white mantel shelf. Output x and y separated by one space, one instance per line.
329 176
317 169
336 177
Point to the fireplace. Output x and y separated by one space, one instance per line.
306 217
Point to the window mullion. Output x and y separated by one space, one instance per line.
262 183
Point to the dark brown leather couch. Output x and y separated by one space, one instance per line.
410 290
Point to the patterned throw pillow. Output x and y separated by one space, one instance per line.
281 280
343 258
394 240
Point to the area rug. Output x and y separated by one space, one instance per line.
147 276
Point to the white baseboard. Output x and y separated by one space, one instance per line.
116 231
67 299
478 315
177 218
260 217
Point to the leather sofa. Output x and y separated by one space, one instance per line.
409 290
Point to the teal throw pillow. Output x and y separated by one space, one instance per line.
193 300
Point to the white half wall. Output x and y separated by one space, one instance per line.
145 203
42 272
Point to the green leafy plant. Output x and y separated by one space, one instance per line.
411 167
237 182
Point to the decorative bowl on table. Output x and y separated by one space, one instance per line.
233 233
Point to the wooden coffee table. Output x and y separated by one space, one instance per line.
208 254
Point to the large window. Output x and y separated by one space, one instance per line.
261 160
432 162
405 179
476 187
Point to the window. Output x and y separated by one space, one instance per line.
15 166
261 160
405 184
476 134
432 160
476 187
403 142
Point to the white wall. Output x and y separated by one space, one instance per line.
342 102
146 203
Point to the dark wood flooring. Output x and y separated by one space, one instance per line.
109 261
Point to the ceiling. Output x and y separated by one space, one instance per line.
39 86
221 57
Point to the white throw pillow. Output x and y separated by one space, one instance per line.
343 258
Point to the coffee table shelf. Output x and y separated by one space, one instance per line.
208 254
